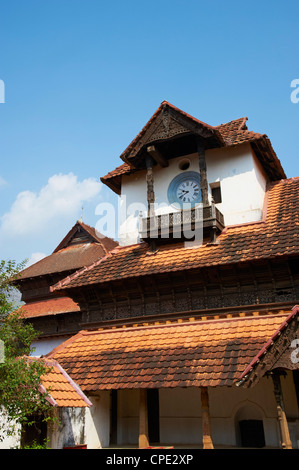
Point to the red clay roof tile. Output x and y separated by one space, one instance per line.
61 390
49 307
147 357
276 235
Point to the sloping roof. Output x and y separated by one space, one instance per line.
62 391
248 372
49 307
70 257
106 243
202 353
232 133
277 235
163 109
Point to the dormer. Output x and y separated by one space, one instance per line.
179 168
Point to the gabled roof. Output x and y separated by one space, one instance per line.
60 389
229 134
85 234
196 353
275 236
159 127
52 306
80 247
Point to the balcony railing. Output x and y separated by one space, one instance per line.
206 220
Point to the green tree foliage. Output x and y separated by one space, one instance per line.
20 376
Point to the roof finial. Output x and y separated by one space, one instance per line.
81 218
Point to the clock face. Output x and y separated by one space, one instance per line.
184 189
188 191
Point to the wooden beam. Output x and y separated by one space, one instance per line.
157 156
206 424
143 440
286 442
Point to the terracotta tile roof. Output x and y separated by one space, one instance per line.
203 353
49 307
277 235
61 389
67 259
70 257
232 133
125 156
106 243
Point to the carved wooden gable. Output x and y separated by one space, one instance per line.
169 123
280 352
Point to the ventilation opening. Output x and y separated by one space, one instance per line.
184 165
216 192
252 433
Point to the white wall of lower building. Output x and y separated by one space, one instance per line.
41 347
180 417
180 414
97 424
69 430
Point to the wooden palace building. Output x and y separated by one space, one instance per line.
185 331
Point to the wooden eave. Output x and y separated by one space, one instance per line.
264 151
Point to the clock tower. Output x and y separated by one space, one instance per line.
179 170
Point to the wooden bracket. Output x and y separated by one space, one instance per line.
157 156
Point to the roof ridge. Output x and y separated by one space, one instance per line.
243 119
77 273
173 324
153 117
90 230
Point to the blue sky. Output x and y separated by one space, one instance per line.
82 77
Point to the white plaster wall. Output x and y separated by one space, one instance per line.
44 346
97 423
9 442
242 180
180 414
127 417
69 431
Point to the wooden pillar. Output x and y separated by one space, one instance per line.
150 197
143 420
203 174
286 442
150 185
206 422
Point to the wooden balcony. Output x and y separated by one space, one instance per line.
208 221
